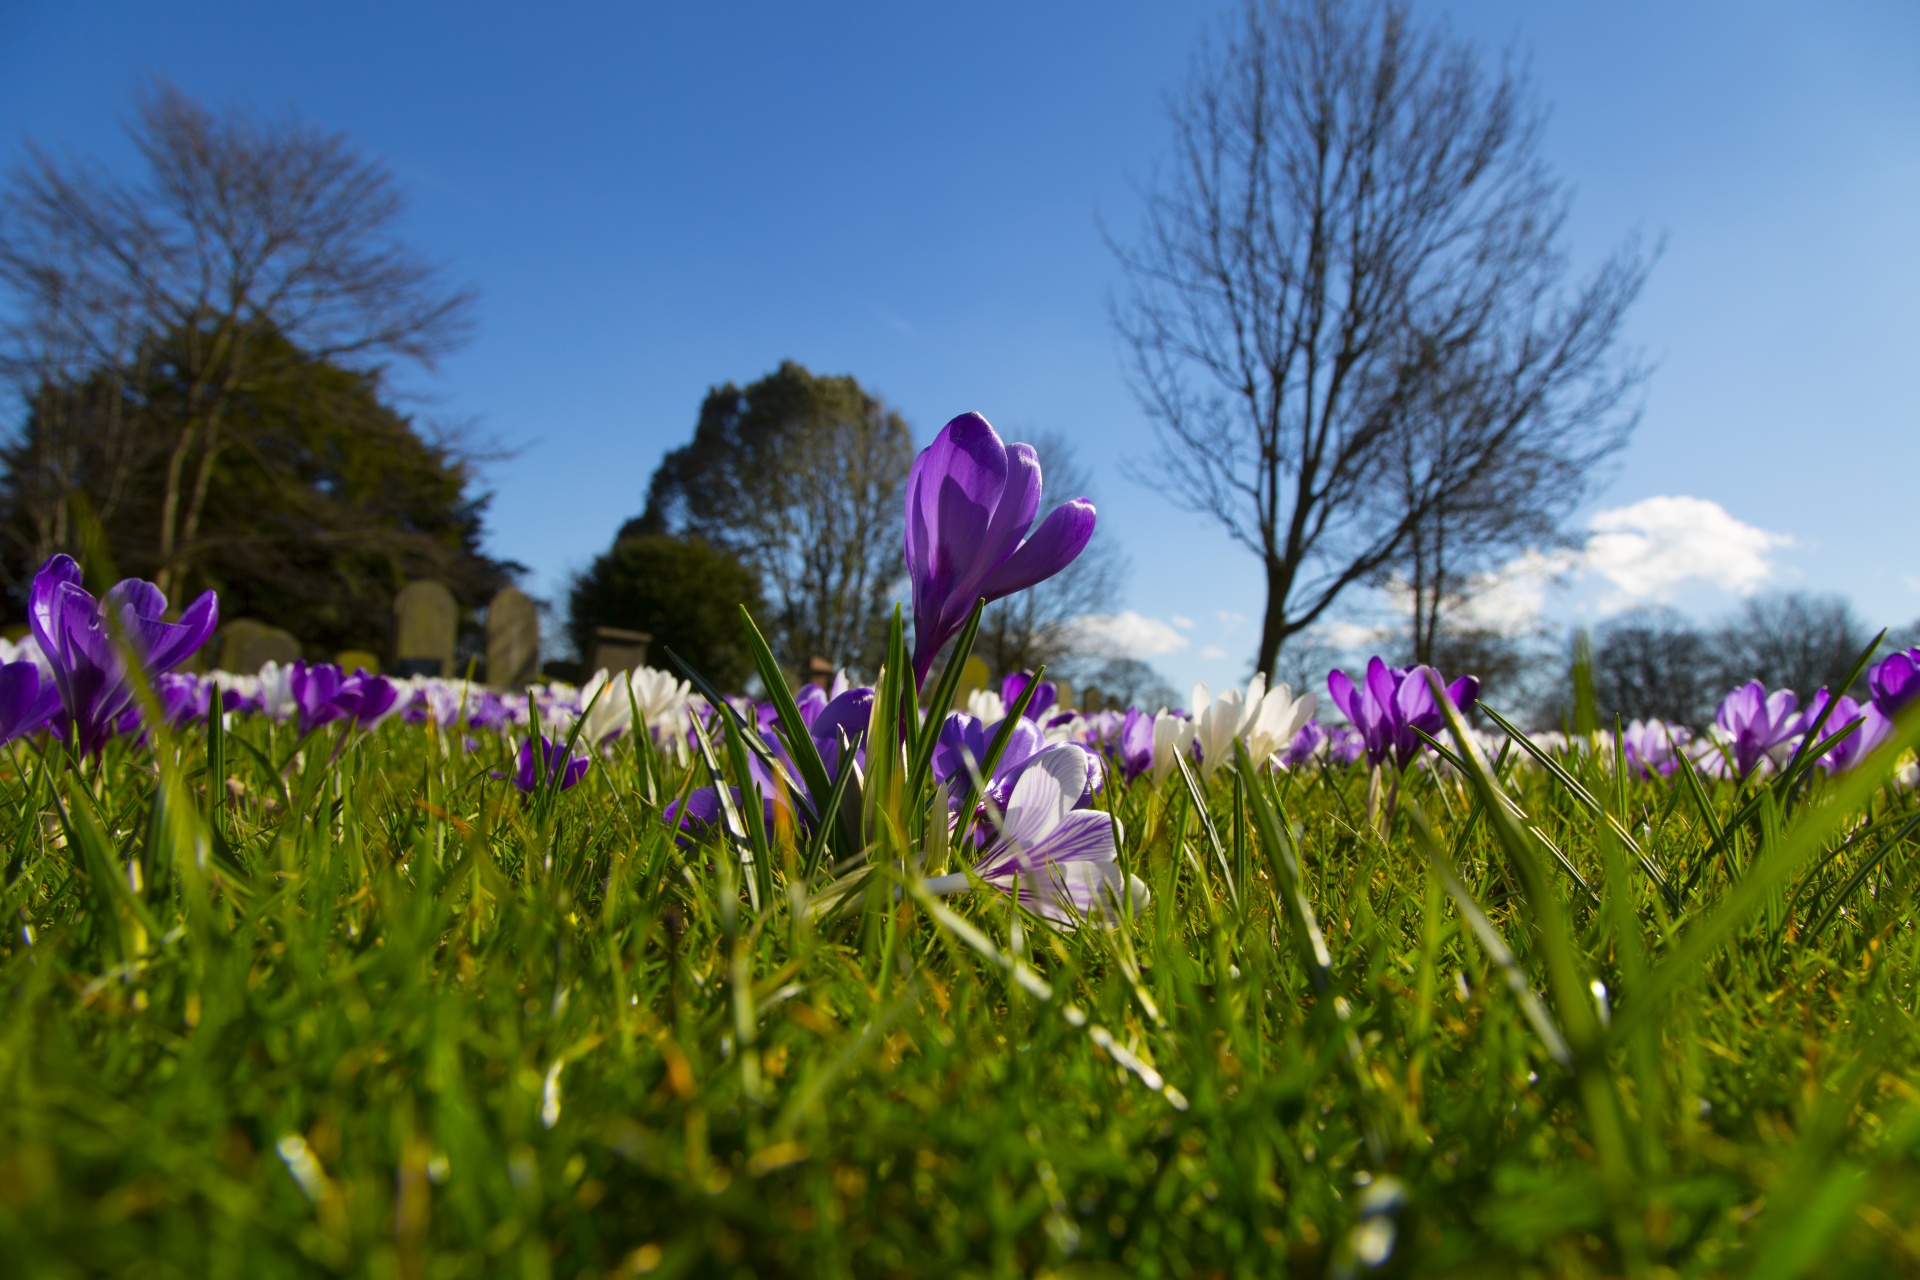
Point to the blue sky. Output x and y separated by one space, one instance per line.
653 199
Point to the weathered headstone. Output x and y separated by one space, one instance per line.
513 640
247 644
352 660
973 678
617 650
1093 699
1065 701
424 619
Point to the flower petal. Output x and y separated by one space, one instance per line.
1061 537
1345 696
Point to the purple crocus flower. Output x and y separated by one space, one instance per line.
1136 743
242 701
442 703
375 698
487 710
554 756
701 814
1061 856
1875 728
29 700
1345 744
184 697
74 632
813 698
962 738
1895 681
322 695
966 738
847 715
1304 744
1098 730
970 501
1653 747
1392 704
315 690
1015 683
1754 724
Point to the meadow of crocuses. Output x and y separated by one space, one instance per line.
311 972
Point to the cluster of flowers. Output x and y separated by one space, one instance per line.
971 502
71 677
1757 730
970 537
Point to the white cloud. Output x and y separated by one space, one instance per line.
1348 635
1512 597
1181 621
1655 551
1648 552
1127 635
1213 653
1229 619
1651 549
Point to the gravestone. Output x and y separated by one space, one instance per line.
424 619
513 640
247 644
352 660
1065 701
973 678
616 650
1093 700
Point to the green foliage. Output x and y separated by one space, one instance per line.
322 499
801 476
684 591
370 1013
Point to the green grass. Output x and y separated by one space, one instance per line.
377 1016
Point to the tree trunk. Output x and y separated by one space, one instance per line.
170 506
1273 625
190 526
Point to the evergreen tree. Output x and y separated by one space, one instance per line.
321 501
684 591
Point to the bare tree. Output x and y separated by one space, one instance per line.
1356 230
1654 664
240 228
804 478
1506 433
1790 640
1035 626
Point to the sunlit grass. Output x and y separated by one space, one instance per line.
375 1014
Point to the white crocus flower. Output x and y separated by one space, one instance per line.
609 710
25 649
986 706
1068 730
1274 719
1063 859
1216 724
276 690
1172 734
661 700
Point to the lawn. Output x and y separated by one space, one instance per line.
350 1003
